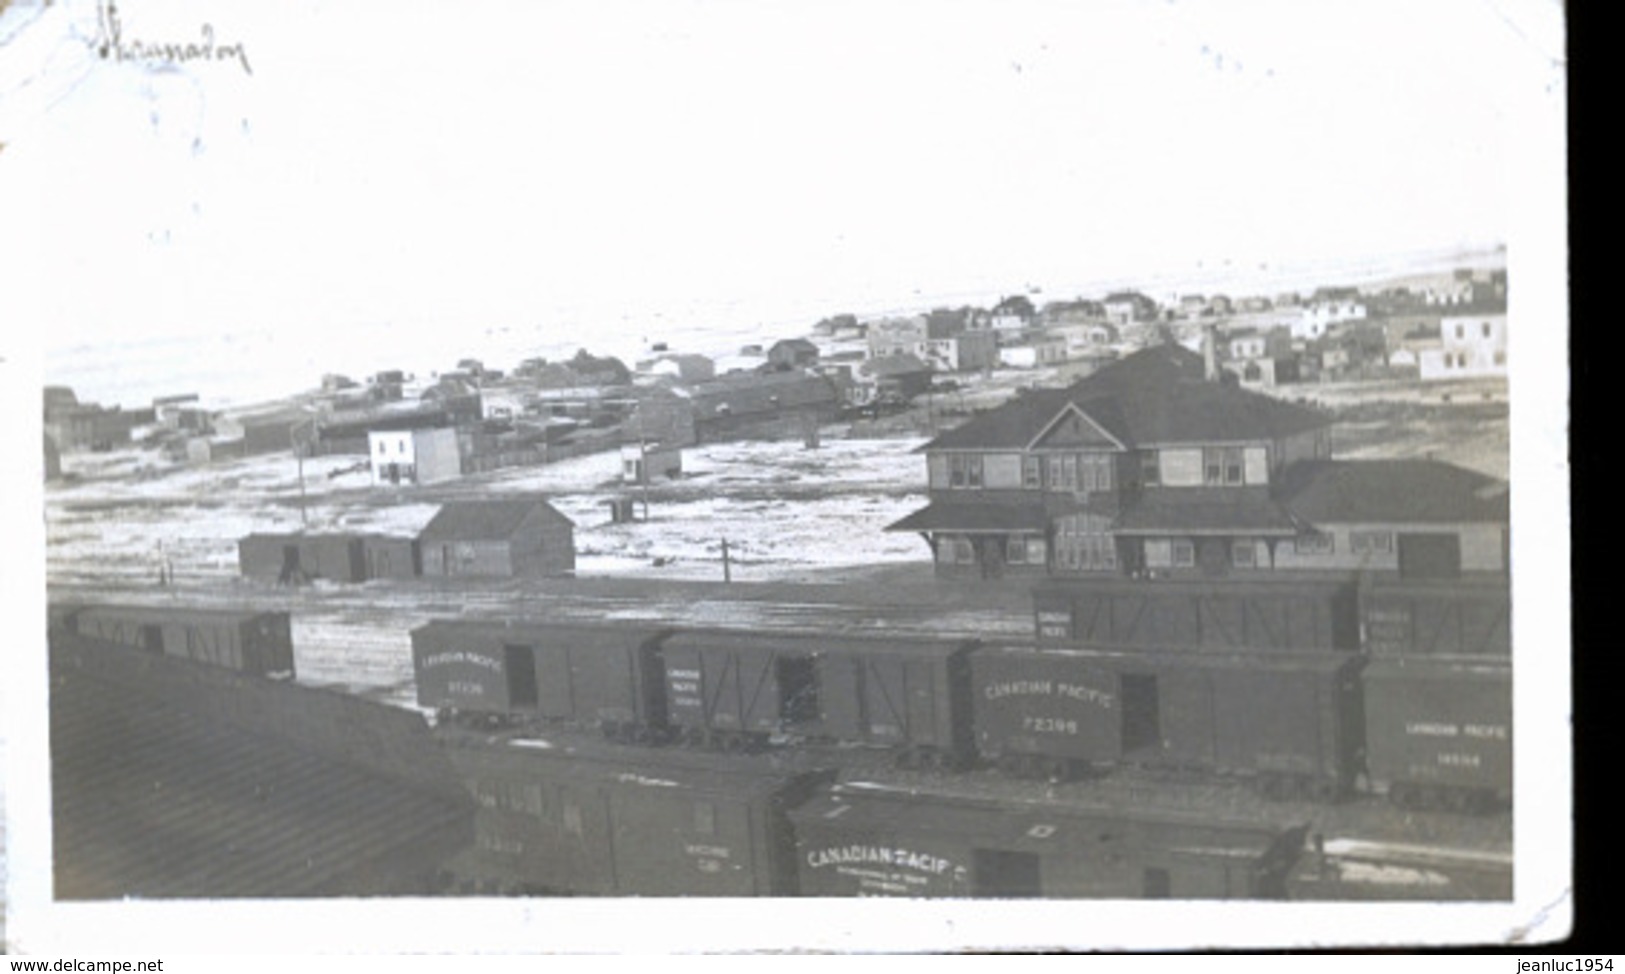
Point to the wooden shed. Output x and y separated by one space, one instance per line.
522 535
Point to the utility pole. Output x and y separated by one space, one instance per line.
727 570
299 456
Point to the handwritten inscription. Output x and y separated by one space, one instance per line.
111 43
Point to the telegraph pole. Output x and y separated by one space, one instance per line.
727 571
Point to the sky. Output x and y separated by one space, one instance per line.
591 166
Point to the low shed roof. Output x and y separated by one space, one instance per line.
487 520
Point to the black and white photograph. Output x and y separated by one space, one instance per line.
710 475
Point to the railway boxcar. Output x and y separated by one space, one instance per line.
390 556
1467 619
1439 732
1294 615
292 558
1288 721
607 676
895 691
865 839
257 643
565 815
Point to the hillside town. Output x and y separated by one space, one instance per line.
932 598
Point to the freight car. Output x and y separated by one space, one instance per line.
742 687
258 643
1295 615
1289 722
726 689
1439 732
563 815
869 839
609 677
1460 619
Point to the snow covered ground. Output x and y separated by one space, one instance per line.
786 511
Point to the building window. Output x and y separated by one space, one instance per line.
1015 550
1150 475
1313 544
1032 474
1486 329
1371 542
1183 552
1500 358
1222 466
965 471
1244 554
1461 331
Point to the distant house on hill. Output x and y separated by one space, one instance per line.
776 404
792 353
519 536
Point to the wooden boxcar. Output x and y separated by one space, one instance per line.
1288 721
606 676
390 556
1439 732
727 686
861 839
1356 869
1438 619
257 643
295 558
1294 615
562 815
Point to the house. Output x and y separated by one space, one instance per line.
896 376
414 456
792 353
87 426
1470 346
774 404
1315 318
515 536
1419 518
267 432
1150 462
643 462
1247 343
1128 307
1034 351
965 352
682 368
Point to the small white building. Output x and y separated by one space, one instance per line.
415 456
641 463
1030 353
1470 346
1315 319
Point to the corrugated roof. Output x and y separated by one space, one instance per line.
486 520
173 780
973 518
1390 491
1156 396
1210 510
